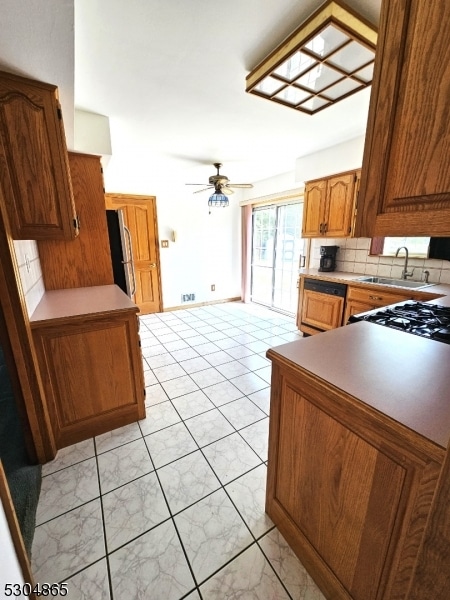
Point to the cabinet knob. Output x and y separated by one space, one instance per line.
375 297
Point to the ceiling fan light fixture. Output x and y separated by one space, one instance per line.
332 51
218 200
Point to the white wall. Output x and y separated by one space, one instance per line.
37 41
336 159
208 246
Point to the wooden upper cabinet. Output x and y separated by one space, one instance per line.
329 206
405 183
85 261
34 172
314 207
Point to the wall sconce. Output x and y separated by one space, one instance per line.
328 58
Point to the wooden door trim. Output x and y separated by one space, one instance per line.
12 302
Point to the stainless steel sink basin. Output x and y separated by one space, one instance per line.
395 282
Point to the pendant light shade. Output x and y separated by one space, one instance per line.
218 199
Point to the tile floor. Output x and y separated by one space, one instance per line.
172 507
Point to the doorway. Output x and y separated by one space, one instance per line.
277 248
141 220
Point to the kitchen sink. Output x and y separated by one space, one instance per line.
395 282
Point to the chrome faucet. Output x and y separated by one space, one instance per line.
405 273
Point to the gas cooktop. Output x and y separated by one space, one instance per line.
419 318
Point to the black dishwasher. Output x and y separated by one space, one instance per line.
322 305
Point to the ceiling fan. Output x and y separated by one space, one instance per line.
221 183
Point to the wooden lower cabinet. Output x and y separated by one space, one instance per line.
320 312
360 299
91 367
349 489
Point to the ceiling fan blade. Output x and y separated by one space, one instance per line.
203 190
240 185
226 190
194 184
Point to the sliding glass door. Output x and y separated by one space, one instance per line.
276 249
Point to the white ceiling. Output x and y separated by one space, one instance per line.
170 75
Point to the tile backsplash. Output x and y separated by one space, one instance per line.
30 272
353 257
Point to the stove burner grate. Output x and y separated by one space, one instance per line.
418 318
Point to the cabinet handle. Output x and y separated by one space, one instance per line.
321 228
325 227
375 297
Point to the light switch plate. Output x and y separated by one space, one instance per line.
164 243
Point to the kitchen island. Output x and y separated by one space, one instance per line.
360 421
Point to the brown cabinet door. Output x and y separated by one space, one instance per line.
355 307
92 373
321 311
141 220
314 208
85 261
34 172
339 211
405 182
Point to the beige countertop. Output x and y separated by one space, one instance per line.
403 376
57 305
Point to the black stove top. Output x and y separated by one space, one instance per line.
420 318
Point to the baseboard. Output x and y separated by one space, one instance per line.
199 304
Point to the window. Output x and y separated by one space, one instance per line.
417 246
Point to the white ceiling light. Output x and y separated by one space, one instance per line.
329 57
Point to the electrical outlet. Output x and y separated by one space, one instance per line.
27 263
213 287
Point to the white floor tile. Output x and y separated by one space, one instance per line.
207 377
179 386
158 417
295 577
117 437
66 489
192 404
248 494
123 464
232 369
223 392
69 456
152 566
71 542
91 583
187 480
133 509
230 457
212 533
249 383
208 427
247 576
170 444
257 436
242 412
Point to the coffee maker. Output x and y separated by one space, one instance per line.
328 258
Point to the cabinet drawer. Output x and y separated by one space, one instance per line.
374 297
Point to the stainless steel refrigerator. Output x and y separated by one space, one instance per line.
121 252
